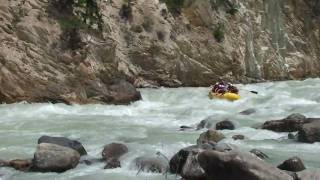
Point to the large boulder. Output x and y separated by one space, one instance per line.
151 164
231 165
178 161
111 154
289 124
310 132
55 158
191 169
293 164
122 92
226 124
309 175
210 136
63 141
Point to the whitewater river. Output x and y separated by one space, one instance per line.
152 125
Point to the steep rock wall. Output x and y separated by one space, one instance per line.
43 58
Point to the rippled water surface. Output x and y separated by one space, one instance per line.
152 125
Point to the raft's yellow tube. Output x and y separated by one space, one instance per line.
229 96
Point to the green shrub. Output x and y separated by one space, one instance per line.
174 6
126 10
86 11
147 23
219 32
233 9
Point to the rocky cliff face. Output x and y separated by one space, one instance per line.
46 54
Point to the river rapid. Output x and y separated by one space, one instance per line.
152 125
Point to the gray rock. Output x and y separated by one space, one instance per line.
111 154
178 161
192 169
310 132
210 135
231 165
238 137
113 151
226 124
63 141
289 124
309 174
55 158
293 164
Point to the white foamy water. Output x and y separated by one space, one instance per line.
152 125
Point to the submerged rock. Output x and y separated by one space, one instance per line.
205 123
289 124
248 111
151 164
63 141
210 135
259 154
231 165
226 124
55 158
238 137
310 132
293 164
21 164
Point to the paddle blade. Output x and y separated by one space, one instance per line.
254 92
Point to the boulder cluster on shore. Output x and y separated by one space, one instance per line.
208 159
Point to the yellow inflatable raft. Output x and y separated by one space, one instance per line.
228 96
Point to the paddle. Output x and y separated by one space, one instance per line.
254 92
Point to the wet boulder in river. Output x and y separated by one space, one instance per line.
289 124
293 164
231 165
55 158
238 137
114 151
226 124
63 141
178 161
111 154
310 132
210 135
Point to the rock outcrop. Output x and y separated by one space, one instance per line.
48 53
